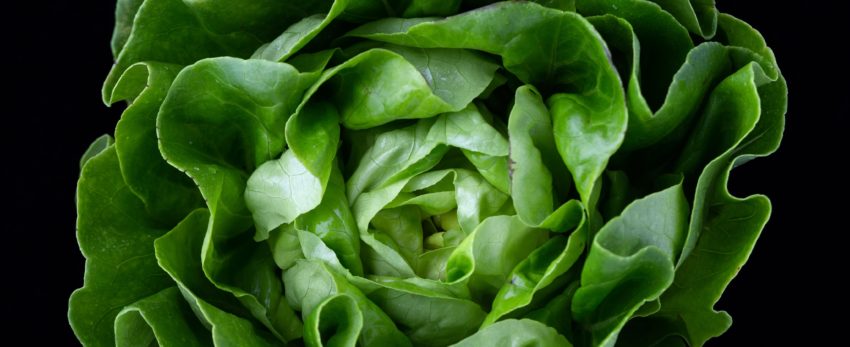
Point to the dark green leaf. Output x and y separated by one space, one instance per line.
116 236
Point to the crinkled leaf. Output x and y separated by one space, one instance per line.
537 175
487 256
309 283
630 262
230 322
335 322
242 103
183 32
537 271
116 236
163 319
167 193
589 121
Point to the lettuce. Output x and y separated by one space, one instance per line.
428 173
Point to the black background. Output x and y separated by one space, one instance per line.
60 55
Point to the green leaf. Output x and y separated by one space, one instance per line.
534 273
245 105
723 228
299 34
167 193
442 316
116 236
333 222
630 262
589 121
183 32
97 146
279 191
309 283
486 258
699 16
230 322
379 86
663 45
125 12
516 333
335 322
557 312
163 319
537 174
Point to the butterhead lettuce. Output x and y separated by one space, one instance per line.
423 173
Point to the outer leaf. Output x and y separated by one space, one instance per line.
699 16
100 144
163 319
630 262
167 193
715 136
299 34
125 12
200 29
727 226
116 235
242 103
231 323
664 43
516 333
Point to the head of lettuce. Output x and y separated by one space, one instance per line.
422 173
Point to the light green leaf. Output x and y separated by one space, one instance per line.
333 222
279 191
538 177
534 273
487 256
442 317
335 322
309 283
379 86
